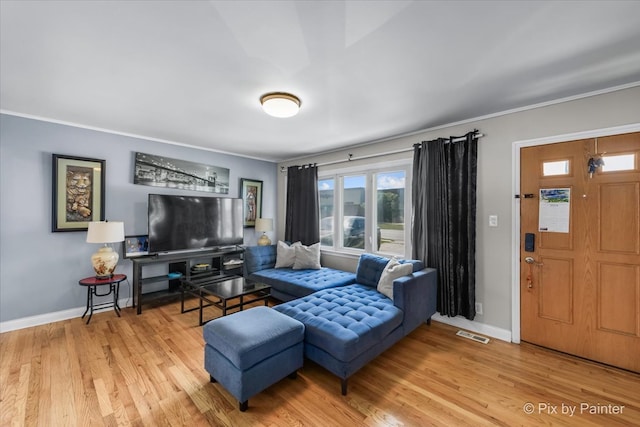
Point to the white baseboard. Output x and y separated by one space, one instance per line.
43 319
477 327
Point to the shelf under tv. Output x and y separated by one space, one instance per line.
181 262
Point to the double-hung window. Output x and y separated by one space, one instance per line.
366 210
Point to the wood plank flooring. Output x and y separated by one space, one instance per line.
148 370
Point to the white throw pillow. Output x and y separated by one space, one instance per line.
307 257
392 271
285 254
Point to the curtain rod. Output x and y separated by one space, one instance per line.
386 153
458 138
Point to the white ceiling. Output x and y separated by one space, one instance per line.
192 72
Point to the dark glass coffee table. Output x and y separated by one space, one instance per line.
216 292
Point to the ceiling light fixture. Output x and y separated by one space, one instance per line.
280 104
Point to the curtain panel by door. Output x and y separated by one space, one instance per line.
444 218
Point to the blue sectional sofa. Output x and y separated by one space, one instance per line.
347 321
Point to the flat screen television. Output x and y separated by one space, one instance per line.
190 223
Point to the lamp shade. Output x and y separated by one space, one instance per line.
105 232
264 224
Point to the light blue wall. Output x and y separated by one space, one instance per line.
39 270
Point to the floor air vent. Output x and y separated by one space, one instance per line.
469 335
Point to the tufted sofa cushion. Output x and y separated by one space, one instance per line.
370 268
258 258
345 321
300 283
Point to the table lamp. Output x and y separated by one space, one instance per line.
264 225
105 260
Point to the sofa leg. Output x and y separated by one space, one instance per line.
243 405
211 379
343 384
429 321
293 375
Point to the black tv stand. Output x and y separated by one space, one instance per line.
225 262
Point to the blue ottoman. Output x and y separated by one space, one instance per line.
250 350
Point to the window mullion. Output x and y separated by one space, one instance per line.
339 224
370 205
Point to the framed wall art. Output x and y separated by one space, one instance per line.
135 246
78 192
251 194
158 171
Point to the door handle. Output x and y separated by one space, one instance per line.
530 260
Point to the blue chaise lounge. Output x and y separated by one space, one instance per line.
348 325
288 283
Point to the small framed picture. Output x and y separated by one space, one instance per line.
251 194
135 246
78 192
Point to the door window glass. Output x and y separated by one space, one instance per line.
623 162
555 168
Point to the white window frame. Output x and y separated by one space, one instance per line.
370 171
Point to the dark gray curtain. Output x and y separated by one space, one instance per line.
302 216
444 218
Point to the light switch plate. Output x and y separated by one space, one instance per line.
493 220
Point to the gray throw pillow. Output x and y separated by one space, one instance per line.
285 254
307 257
392 271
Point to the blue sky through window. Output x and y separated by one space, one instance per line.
325 184
384 181
389 180
354 181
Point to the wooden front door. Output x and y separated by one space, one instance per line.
580 283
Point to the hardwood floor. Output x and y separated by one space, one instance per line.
148 370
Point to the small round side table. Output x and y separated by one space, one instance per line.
92 284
